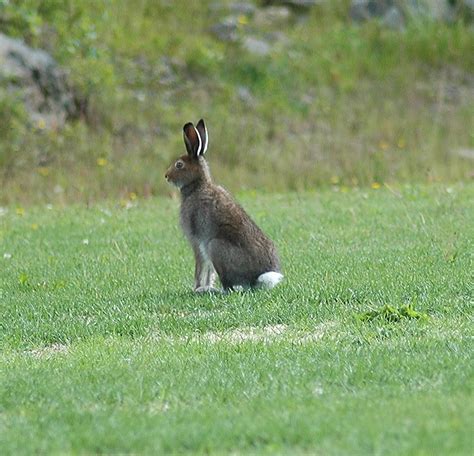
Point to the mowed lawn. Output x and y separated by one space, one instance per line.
104 348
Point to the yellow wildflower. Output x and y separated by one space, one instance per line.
20 211
34 226
43 171
334 180
375 185
383 145
101 161
243 20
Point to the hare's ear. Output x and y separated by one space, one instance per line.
202 130
192 140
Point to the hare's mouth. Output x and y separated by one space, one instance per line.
174 183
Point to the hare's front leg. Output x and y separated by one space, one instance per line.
204 273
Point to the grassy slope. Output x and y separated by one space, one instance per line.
104 348
333 101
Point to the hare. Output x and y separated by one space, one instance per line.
225 240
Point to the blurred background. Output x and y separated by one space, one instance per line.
297 94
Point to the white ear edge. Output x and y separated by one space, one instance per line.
206 140
199 150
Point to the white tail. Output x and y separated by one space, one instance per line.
269 279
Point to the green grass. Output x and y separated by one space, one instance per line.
358 104
105 349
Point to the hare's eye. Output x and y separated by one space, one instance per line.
179 164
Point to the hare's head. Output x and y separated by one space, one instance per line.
192 167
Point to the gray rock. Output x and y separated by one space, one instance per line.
272 16
39 81
394 12
256 46
166 73
226 29
362 10
277 37
394 19
296 4
439 10
244 95
243 8
219 7
465 153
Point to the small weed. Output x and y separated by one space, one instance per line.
23 279
393 314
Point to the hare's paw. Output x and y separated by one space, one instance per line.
207 289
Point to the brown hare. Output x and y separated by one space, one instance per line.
223 237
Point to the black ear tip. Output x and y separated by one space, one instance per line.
201 122
187 125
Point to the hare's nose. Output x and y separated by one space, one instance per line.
166 176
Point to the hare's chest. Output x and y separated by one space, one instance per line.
195 223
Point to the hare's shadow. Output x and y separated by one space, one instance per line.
164 299
187 299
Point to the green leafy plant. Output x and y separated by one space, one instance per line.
393 314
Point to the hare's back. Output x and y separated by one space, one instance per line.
234 224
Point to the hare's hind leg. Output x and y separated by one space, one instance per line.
238 269
231 264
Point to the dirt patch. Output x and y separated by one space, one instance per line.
49 351
266 334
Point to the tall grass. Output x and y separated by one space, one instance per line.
332 103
